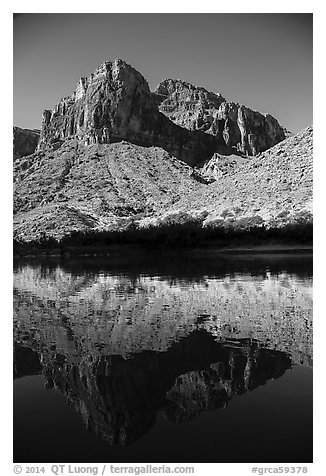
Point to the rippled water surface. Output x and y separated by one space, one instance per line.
162 357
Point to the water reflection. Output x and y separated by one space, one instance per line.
122 346
119 398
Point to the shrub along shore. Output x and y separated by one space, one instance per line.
190 234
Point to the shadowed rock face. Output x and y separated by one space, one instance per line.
242 129
119 398
25 142
115 104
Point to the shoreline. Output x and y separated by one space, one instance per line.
27 251
269 249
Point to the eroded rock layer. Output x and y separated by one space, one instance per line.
243 129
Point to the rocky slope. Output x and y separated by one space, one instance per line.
25 141
241 128
99 186
110 186
274 187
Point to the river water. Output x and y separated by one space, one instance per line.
163 357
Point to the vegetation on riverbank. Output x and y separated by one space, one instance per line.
178 233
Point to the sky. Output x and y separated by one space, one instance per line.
262 60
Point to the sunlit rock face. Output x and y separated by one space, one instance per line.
189 106
242 129
115 104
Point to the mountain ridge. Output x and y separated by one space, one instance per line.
115 103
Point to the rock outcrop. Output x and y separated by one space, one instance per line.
242 129
115 104
25 141
187 105
219 166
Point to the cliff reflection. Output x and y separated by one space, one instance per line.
122 346
119 398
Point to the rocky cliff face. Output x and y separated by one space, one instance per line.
242 129
115 104
25 141
187 105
